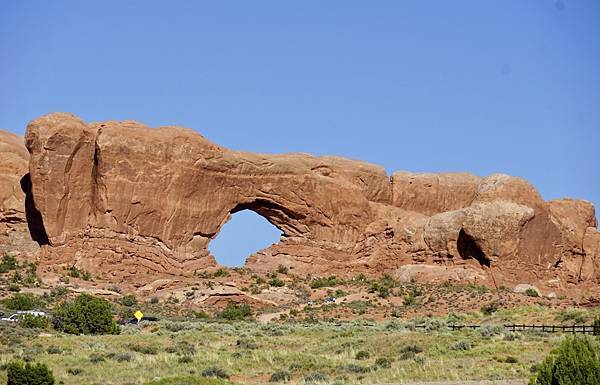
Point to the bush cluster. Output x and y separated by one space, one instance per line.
34 322
324 282
235 312
22 302
85 315
8 263
490 308
19 373
280 376
576 362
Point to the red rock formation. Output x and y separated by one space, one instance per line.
14 235
121 199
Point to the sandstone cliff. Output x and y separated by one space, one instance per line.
124 200
14 160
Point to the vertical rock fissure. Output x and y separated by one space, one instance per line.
35 222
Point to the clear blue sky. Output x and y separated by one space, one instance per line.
477 86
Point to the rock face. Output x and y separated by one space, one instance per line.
123 200
14 159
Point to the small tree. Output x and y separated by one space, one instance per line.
597 326
34 322
86 315
576 362
234 312
21 302
19 373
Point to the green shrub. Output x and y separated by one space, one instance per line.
200 314
315 377
577 316
14 287
221 272
34 322
575 362
54 350
128 300
597 326
490 308
86 315
74 371
245 343
22 302
324 282
383 363
280 376
59 292
281 269
410 351
353 368
531 292
412 348
276 282
123 357
511 360
32 278
460 345
185 359
234 312
144 349
183 348
187 380
96 358
19 373
216 372
491 330
383 286
410 300
8 263
74 272
362 355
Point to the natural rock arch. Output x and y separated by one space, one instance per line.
245 232
129 200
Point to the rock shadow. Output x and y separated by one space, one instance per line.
467 248
35 222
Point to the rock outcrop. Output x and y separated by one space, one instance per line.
14 160
123 200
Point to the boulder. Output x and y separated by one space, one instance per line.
14 162
524 287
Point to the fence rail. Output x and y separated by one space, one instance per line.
583 329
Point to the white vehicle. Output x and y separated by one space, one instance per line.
15 317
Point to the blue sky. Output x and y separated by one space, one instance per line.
477 86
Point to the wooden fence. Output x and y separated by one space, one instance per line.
583 329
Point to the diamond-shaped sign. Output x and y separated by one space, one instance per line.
138 315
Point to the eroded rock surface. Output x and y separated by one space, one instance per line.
124 200
14 160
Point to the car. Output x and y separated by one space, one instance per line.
12 318
135 321
20 313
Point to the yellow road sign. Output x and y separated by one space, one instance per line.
138 315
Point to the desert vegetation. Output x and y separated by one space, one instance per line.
331 330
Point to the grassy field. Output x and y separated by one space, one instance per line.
356 352
368 336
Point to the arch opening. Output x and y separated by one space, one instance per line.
468 249
243 235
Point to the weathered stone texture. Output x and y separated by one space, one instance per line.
125 200
14 159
